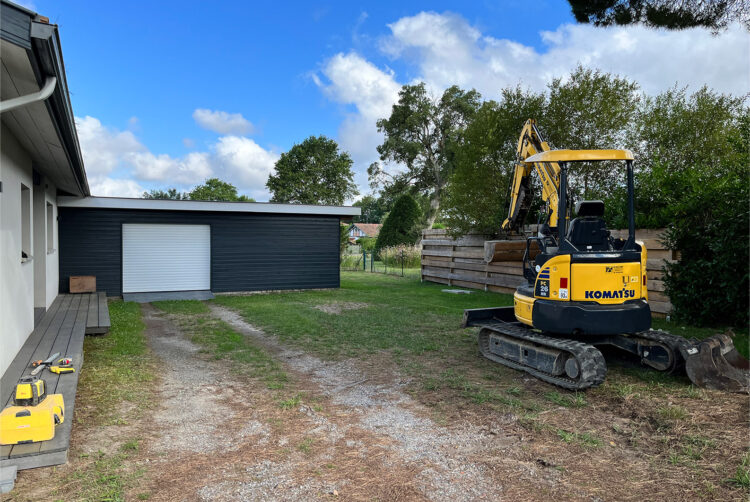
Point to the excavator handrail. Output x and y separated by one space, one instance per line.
579 156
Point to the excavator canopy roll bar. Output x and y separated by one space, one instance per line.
579 156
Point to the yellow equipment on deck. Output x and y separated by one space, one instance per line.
33 416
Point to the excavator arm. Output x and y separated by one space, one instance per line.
530 143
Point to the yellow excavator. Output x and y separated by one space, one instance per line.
585 288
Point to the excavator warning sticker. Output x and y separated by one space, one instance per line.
563 293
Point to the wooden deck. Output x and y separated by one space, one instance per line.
62 329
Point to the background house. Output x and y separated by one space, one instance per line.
358 230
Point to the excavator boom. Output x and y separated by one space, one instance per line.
531 143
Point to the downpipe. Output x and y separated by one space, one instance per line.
34 97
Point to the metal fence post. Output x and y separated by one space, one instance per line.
372 261
402 263
364 261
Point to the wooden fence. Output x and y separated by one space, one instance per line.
460 262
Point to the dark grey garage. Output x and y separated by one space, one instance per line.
134 245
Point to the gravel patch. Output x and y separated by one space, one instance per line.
267 481
193 407
337 308
447 472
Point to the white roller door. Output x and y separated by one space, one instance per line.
158 257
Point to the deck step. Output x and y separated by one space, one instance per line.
61 329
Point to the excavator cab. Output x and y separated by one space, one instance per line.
585 289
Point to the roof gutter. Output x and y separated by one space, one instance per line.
41 95
47 61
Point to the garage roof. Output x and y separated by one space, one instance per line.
199 205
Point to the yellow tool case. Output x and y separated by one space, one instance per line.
30 424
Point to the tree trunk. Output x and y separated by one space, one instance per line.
434 208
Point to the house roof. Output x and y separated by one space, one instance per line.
200 205
370 229
31 55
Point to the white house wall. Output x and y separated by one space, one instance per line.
52 258
46 269
16 278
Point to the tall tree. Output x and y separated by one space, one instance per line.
671 14
402 224
591 110
477 197
423 133
313 172
170 194
373 209
218 190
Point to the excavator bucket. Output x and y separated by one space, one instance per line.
715 364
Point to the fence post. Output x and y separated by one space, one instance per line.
364 260
402 263
372 261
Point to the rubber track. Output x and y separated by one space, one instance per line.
677 344
591 362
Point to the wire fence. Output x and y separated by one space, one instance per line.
399 264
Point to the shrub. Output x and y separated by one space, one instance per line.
402 224
392 256
438 225
367 243
343 238
351 261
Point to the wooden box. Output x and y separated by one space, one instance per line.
82 284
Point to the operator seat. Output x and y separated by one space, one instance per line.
587 231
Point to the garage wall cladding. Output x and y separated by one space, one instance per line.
249 251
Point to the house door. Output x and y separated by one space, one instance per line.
163 257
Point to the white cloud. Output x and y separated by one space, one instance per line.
188 142
354 81
118 164
115 187
222 122
444 49
245 163
447 50
186 170
104 148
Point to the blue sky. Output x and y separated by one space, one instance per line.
168 93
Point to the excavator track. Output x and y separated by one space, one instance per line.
576 366
678 346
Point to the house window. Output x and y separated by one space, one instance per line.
25 223
50 228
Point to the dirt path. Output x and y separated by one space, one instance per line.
354 435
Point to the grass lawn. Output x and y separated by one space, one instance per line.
414 327
115 388
402 315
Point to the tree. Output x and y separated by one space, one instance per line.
693 154
313 172
477 197
402 224
217 190
424 133
170 194
591 110
671 14
373 209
